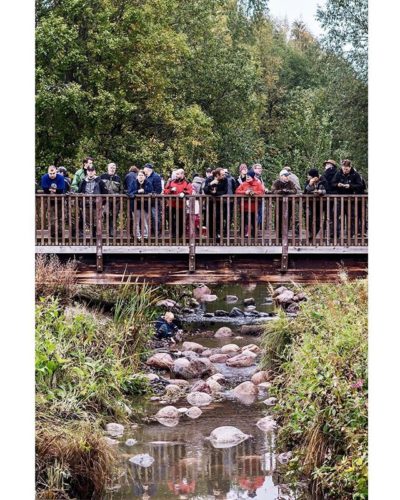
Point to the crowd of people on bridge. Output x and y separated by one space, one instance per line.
343 180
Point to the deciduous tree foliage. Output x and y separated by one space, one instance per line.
196 84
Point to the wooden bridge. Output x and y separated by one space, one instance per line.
203 228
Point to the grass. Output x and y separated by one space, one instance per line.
54 278
87 368
322 388
72 461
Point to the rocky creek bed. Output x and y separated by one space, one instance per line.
208 432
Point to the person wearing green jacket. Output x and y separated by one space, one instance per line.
80 174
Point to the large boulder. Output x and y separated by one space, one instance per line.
227 436
231 299
255 330
173 393
241 360
230 348
161 360
168 416
200 291
245 389
260 377
218 358
193 368
143 460
207 353
193 412
236 313
223 332
251 347
167 412
267 424
151 377
198 399
200 386
192 346
285 297
278 291
115 430
251 354
214 386
293 308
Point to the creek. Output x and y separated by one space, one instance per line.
186 464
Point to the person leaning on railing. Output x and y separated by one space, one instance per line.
113 185
91 184
178 187
216 186
315 186
140 214
251 187
156 188
80 174
283 186
53 183
347 181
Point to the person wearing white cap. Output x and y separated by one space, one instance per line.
284 186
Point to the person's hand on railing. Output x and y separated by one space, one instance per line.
181 195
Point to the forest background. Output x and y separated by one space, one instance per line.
197 84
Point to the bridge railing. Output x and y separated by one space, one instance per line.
229 221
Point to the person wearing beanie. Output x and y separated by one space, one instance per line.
251 187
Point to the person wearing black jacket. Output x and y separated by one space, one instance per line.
216 186
113 185
140 207
156 188
331 168
346 182
315 186
93 185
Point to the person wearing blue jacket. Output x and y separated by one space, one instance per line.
156 188
53 183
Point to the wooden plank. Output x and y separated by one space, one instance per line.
99 234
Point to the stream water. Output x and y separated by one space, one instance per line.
186 465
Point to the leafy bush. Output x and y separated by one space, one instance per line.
86 363
323 391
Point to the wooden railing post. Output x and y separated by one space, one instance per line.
192 234
285 224
99 234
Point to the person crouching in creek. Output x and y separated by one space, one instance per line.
166 329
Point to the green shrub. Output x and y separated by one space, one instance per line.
85 363
322 390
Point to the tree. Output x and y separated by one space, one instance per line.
346 25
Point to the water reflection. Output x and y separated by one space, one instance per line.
187 466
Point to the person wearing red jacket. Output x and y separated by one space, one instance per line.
251 187
178 187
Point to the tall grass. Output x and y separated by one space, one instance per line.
72 461
53 277
322 388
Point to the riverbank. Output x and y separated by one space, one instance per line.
322 388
